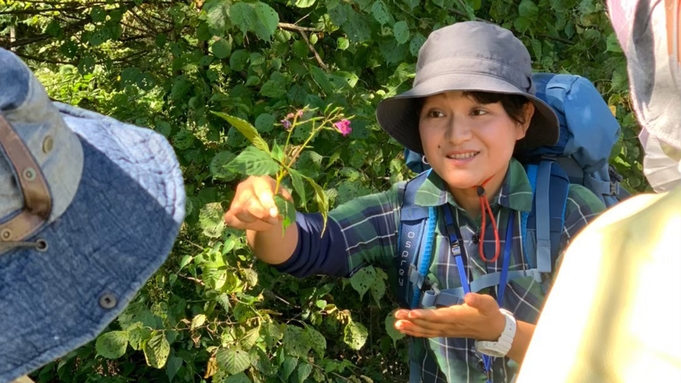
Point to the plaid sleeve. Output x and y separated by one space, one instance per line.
369 226
582 207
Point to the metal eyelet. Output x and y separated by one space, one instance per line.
41 245
6 235
108 301
29 174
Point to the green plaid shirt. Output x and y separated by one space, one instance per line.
369 227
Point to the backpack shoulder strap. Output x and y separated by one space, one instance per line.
412 230
550 187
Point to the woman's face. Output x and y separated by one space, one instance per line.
467 142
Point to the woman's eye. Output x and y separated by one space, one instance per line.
435 114
478 112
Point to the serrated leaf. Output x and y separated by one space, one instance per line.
254 162
528 9
217 16
233 360
112 345
317 340
355 335
267 20
156 350
390 328
401 32
221 49
363 280
250 338
243 15
392 51
198 321
303 371
288 367
219 166
613 44
286 210
356 27
298 186
210 220
273 334
295 341
248 130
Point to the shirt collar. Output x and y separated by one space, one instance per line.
515 192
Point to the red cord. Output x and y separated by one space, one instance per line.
485 208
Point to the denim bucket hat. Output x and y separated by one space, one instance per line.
89 209
468 56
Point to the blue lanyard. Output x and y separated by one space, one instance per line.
465 284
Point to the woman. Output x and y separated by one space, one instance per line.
471 106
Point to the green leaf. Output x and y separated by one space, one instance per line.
173 366
401 31
304 3
112 345
156 350
138 334
277 153
267 18
390 328
273 334
210 220
322 200
303 371
321 79
250 338
416 43
613 44
357 27
98 14
355 335
238 378
273 89
362 280
239 59
243 15
317 340
286 209
198 321
380 12
219 166
233 360
378 287
295 341
248 130
528 9
264 123
298 186
217 16
288 367
343 43
392 51
221 49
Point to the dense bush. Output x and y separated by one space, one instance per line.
212 311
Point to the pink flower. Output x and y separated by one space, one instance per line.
299 113
286 123
343 126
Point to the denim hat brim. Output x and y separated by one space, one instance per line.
399 115
116 232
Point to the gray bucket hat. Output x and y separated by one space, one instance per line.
468 56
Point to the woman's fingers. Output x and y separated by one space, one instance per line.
253 206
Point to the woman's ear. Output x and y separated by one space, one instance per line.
528 112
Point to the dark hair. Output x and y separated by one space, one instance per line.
513 103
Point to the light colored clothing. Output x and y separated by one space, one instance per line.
614 314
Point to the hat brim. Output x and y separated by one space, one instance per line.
115 234
399 115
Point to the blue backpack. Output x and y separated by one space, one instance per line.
588 132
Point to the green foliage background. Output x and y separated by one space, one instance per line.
212 312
